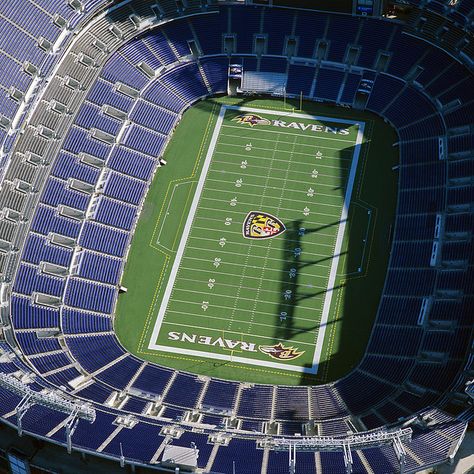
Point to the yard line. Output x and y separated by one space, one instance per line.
236 163
284 250
252 205
308 331
322 224
315 182
341 175
292 341
233 191
307 163
219 284
322 147
309 155
250 266
320 234
261 129
248 276
313 311
324 255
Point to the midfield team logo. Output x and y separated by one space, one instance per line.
280 352
260 225
252 120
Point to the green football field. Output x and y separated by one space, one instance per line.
253 240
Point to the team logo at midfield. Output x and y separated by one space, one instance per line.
280 352
252 120
260 225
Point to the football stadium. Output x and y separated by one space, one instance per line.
236 237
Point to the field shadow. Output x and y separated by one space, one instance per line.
292 293
355 297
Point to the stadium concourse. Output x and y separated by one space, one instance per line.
91 94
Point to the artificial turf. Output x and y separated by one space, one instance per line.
250 309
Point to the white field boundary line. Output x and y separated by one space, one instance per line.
337 249
187 229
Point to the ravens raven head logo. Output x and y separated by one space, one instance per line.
261 225
280 352
252 120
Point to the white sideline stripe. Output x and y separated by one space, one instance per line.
333 272
337 249
230 357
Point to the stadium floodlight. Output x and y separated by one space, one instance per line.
51 400
332 443
400 452
347 444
